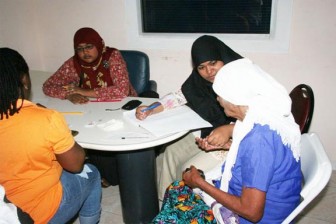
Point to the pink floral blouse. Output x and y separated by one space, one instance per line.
67 74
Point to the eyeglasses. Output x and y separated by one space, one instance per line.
84 48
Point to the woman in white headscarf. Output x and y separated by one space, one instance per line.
261 178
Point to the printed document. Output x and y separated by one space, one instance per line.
169 121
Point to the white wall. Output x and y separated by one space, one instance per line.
42 32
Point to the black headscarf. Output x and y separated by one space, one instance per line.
198 91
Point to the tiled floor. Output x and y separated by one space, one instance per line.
322 210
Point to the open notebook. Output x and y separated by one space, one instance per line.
169 121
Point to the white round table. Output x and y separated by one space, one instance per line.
135 147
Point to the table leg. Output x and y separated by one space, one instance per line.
137 184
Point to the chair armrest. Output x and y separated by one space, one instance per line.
150 91
152 85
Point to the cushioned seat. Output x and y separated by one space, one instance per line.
139 73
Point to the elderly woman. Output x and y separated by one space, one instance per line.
261 178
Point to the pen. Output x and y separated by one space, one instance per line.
102 101
112 109
134 137
151 107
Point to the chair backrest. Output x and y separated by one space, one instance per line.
138 69
302 106
316 169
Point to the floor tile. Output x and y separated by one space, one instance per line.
110 218
322 208
307 220
111 200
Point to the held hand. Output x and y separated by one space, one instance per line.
71 89
144 111
77 99
204 144
191 176
221 136
78 90
140 114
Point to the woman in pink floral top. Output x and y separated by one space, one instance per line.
95 71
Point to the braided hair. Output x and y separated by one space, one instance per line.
12 69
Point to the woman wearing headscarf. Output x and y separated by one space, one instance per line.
260 181
95 71
208 54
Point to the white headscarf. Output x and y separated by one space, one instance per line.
243 83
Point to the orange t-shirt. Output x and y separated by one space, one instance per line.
29 170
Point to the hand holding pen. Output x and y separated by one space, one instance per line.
142 112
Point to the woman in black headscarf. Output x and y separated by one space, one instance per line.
209 54
197 89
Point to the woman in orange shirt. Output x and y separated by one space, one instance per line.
42 171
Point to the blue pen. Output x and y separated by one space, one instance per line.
151 107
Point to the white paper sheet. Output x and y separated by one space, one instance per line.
169 121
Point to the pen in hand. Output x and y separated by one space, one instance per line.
151 107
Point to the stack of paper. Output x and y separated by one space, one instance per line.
169 121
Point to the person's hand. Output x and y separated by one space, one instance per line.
204 144
144 111
142 115
77 99
69 88
73 89
221 136
191 177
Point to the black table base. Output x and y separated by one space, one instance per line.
137 184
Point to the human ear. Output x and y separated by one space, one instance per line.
26 83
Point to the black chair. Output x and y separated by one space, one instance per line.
302 106
139 73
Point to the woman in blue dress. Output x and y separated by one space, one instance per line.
260 182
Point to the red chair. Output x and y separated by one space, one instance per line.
302 106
